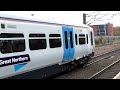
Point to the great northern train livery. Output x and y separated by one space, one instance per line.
32 49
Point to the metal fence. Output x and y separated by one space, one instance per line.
106 37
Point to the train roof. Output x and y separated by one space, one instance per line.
21 18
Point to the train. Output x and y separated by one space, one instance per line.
33 49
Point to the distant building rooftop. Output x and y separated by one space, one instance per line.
101 24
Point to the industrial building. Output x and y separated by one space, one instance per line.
103 29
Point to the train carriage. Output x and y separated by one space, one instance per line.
34 49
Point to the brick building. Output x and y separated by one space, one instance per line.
103 29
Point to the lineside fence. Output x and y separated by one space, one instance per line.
103 40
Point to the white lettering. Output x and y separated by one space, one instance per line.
13 60
7 61
1 62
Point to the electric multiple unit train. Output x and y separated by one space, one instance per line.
33 50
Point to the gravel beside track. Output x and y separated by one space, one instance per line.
88 71
109 73
106 48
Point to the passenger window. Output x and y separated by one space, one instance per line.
12 45
71 39
87 38
11 35
76 38
81 39
37 35
91 38
54 40
66 40
5 46
36 44
37 41
54 35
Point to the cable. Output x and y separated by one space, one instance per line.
98 18
93 17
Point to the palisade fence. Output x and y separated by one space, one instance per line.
103 40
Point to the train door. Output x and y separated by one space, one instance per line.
68 43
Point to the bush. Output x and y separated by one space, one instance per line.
100 41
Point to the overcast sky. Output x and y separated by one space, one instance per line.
74 17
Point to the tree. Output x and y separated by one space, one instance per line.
116 31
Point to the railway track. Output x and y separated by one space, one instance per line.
102 56
95 66
108 72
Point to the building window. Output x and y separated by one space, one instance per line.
101 30
37 41
54 40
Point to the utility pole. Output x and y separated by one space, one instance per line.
84 18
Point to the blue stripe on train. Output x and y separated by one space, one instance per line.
19 66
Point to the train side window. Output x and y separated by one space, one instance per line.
71 39
87 38
6 46
54 35
54 40
76 39
81 39
3 26
37 41
10 46
18 45
36 44
66 39
11 35
37 35
91 38
55 43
